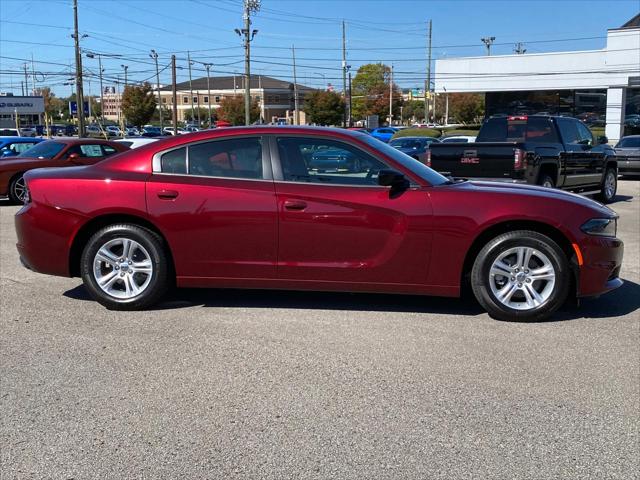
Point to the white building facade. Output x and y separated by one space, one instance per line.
601 87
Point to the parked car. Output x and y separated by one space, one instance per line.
542 150
9 132
113 131
28 131
458 139
383 133
271 222
132 132
63 152
335 160
628 152
151 131
169 130
415 147
632 120
12 146
135 142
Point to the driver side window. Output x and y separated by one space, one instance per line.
317 160
584 134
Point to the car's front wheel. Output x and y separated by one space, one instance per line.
521 276
125 267
17 189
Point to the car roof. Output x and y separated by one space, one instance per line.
80 141
20 139
414 138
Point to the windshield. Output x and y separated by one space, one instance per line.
43 150
629 142
420 169
409 142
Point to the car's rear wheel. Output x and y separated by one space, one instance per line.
125 267
609 186
521 276
17 189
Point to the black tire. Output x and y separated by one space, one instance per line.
546 181
481 277
16 195
609 186
160 276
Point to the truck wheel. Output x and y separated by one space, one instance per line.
609 186
125 267
547 181
521 276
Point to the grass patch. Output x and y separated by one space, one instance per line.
469 132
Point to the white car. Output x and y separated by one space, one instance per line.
113 130
136 142
458 139
170 131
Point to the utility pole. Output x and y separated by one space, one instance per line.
446 106
22 87
33 76
349 120
123 120
391 96
26 80
519 49
154 55
344 71
427 83
125 67
174 95
250 6
193 115
208 67
488 41
79 92
295 88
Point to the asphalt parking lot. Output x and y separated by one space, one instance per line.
232 384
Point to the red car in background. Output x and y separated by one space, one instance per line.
61 152
240 207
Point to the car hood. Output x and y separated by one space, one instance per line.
11 163
536 192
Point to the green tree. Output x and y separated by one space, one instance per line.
138 104
324 108
232 110
413 110
466 107
370 91
204 113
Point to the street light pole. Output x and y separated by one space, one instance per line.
208 67
79 92
250 6
154 55
193 116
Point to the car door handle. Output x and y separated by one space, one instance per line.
295 205
167 194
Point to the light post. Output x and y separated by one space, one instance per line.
208 67
250 6
154 55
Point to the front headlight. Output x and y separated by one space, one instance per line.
604 227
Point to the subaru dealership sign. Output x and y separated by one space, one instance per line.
21 105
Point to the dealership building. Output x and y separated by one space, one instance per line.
27 109
600 87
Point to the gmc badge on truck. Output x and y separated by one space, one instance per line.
470 156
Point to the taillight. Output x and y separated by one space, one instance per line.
519 159
428 157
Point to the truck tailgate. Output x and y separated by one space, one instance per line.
475 160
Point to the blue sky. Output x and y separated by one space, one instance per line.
382 30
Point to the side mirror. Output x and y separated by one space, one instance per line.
602 140
392 178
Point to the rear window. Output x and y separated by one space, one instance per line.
518 129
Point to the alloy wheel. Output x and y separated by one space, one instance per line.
20 189
122 268
522 278
610 184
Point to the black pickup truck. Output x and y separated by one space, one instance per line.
544 150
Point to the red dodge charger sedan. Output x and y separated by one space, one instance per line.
245 208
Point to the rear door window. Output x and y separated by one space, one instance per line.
235 158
